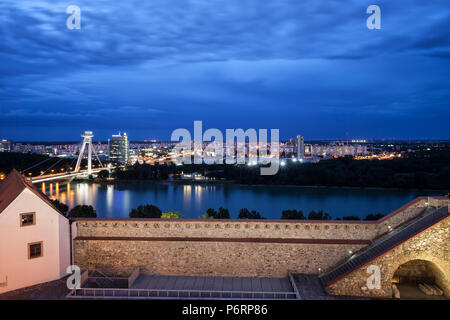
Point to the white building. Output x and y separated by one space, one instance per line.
34 236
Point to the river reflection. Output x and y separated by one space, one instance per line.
116 201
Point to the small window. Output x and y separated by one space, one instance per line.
35 250
27 219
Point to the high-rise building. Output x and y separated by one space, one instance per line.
119 149
300 148
5 145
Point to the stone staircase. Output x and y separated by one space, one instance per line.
429 217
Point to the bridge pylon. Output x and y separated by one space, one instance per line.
87 141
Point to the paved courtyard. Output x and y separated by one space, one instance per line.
230 287
213 283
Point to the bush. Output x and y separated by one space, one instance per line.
292 214
146 211
82 211
244 213
213 214
319 215
171 215
210 214
223 213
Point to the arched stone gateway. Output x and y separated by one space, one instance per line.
420 269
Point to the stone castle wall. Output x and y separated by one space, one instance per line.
265 248
118 257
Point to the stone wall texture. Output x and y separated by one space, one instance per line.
118 257
260 248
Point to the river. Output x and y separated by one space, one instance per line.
116 201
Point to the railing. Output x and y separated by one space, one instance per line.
294 286
106 293
103 276
84 277
132 278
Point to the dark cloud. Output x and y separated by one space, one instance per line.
152 66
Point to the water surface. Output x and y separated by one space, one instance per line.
116 201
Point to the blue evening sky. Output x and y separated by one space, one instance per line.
148 67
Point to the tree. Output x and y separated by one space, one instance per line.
223 213
319 215
104 174
171 215
244 213
82 211
62 207
213 214
146 211
210 214
374 216
292 214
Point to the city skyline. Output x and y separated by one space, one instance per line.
240 152
299 67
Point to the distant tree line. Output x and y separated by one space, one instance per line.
419 170
152 211
321 215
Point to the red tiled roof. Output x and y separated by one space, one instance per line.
13 185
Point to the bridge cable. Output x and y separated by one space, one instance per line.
50 158
101 164
71 164
53 166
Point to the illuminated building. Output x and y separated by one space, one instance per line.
119 151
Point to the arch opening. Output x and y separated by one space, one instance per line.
419 279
